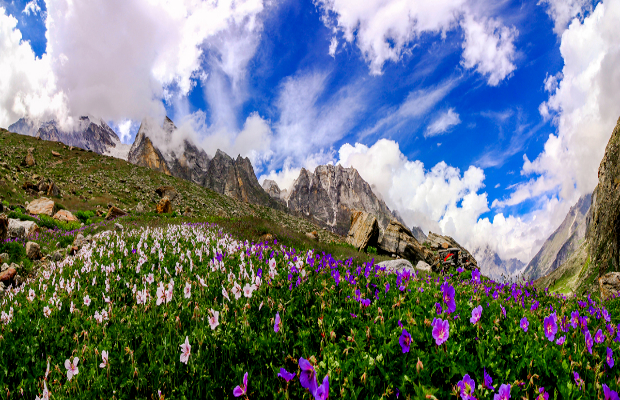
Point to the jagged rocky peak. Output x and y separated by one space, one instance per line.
419 234
329 195
566 239
493 266
87 132
157 148
271 187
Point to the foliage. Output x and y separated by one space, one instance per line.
14 249
84 216
371 250
151 288
44 221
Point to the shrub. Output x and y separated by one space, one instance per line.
84 216
371 250
15 250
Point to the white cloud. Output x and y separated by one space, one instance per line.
386 30
563 11
489 47
443 123
125 129
585 106
32 7
120 65
333 46
446 200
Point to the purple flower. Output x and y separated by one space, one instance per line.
524 324
476 313
543 394
467 386
307 376
276 325
610 357
578 380
589 341
561 340
243 389
609 394
405 341
606 315
475 276
284 374
488 381
550 327
438 308
599 337
441 330
448 297
503 310
322 392
504 393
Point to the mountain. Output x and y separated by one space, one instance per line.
88 133
419 234
562 243
330 194
494 267
144 153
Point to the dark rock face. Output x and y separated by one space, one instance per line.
330 194
190 162
88 133
145 154
562 243
439 242
603 225
397 239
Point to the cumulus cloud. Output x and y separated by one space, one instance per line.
32 7
121 65
386 30
445 200
443 123
563 11
489 48
584 105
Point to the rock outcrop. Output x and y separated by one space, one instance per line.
398 240
22 229
330 194
364 230
609 285
167 191
272 189
65 216
88 133
439 242
144 153
164 206
603 223
562 243
29 161
33 250
114 212
42 205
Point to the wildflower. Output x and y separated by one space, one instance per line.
86 301
524 324
236 290
247 290
214 319
438 308
504 393
476 313
589 341
550 327
31 295
278 322
72 308
610 357
503 310
475 276
150 278
104 356
307 376
467 386
488 381
578 380
574 319
419 366
161 294
405 341
561 340
284 374
599 337
188 290
441 331
225 293
543 394
322 392
448 297
243 388
47 312
98 317
609 394
72 368
185 351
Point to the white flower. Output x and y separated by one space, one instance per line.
236 290
188 290
150 278
225 293
247 290
185 351
72 368
86 301
161 293
104 356
214 319
72 308
47 312
98 317
260 306
31 295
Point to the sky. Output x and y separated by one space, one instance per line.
484 120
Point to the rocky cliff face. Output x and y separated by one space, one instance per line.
603 231
145 154
562 243
89 133
330 194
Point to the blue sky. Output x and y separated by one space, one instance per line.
447 109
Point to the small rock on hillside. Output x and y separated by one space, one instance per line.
33 250
609 285
22 229
164 206
167 191
65 216
41 205
114 212
29 160
364 230
7 275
